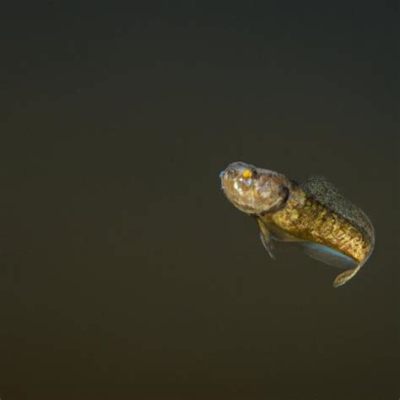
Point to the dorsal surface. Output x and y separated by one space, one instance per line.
328 195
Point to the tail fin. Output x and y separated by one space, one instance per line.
345 276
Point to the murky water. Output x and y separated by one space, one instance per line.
124 272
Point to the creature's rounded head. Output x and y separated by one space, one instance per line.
254 190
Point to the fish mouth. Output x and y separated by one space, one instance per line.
222 177
229 174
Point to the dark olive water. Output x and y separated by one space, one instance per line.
124 272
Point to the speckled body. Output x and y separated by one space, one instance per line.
330 228
305 218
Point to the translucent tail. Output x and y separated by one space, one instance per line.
345 276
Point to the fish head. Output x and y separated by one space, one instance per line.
253 190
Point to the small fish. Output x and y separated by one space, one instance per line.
314 214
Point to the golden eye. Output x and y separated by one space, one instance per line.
247 173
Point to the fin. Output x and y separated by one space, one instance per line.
328 255
265 237
327 194
333 257
345 276
279 234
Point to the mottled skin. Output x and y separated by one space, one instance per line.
306 219
287 211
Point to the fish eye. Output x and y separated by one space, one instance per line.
247 173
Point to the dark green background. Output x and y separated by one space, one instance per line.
124 272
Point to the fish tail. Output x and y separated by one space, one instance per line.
345 276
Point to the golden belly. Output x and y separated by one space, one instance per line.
306 219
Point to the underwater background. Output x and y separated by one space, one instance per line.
124 272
